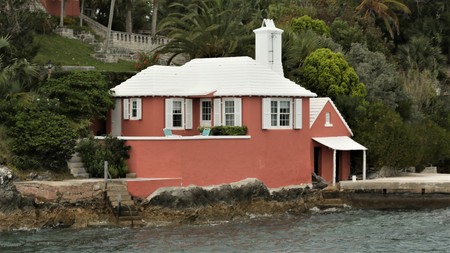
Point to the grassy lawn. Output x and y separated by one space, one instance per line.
71 52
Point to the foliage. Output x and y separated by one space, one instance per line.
82 95
307 23
94 153
345 34
378 75
391 141
41 138
421 86
226 130
208 29
145 60
420 54
328 74
384 10
436 140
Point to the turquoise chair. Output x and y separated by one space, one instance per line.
206 131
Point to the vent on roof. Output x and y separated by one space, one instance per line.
268 46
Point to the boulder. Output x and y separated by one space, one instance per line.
318 182
10 198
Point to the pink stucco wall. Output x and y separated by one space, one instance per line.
273 156
54 7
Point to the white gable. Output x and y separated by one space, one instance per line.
316 106
227 76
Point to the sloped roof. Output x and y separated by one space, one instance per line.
316 106
226 76
340 143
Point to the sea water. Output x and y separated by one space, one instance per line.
319 231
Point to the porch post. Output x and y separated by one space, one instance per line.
334 167
364 164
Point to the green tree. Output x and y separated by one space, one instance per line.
345 34
420 53
378 75
384 10
307 23
328 74
81 95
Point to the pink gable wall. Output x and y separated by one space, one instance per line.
318 129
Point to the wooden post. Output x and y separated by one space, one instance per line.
364 165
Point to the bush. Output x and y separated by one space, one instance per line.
42 139
226 130
95 152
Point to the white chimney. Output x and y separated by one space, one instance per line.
268 46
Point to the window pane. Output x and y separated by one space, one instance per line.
229 106
229 119
284 119
177 120
273 106
206 110
133 108
284 106
176 106
273 120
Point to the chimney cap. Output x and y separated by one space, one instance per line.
268 25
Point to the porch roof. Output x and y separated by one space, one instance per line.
340 143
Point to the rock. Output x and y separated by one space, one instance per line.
193 196
319 182
10 198
45 176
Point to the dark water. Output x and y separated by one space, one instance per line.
344 231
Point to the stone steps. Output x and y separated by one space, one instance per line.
123 205
76 166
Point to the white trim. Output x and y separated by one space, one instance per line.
217 112
267 106
328 120
238 112
138 102
168 113
323 102
126 108
196 137
206 122
188 117
298 118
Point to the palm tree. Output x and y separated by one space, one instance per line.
420 54
206 29
155 7
384 10
17 76
120 7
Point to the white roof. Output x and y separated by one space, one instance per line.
316 106
340 143
226 76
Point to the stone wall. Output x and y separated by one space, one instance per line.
61 191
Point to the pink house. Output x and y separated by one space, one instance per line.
291 133
71 7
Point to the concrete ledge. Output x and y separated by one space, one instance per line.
178 138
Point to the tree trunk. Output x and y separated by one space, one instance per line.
81 12
61 14
108 33
154 16
129 21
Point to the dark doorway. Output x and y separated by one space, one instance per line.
338 165
317 160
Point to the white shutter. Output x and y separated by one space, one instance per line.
298 114
126 108
188 113
238 112
266 113
217 112
138 108
169 112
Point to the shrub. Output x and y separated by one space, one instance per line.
226 130
42 139
145 60
95 152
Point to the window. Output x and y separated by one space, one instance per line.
132 109
178 113
205 112
227 112
278 113
328 120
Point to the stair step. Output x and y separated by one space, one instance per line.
134 223
125 212
81 175
122 197
331 203
115 204
331 194
77 170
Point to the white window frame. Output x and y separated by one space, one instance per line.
237 111
186 113
267 113
130 106
328 120
202 121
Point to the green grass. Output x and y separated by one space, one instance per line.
71 52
